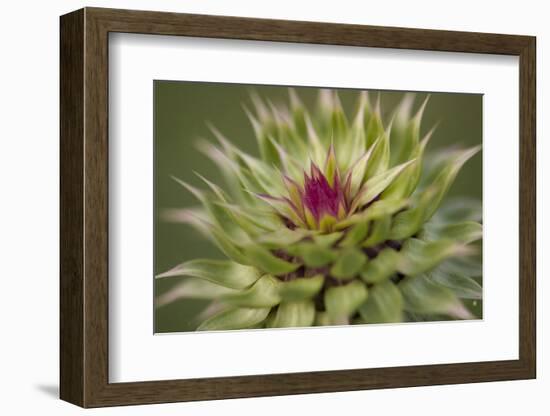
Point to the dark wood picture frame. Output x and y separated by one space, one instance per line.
84 207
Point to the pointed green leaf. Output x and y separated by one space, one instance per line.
281 206
423 296
363 111
220 194
313 255
383 208
408 180
212 232
357 134
250 182
382 267
298 115
260 107
220 215
251 216
406 223
373 159
355 235
467 266
379 232
264 173
235 318
357 143
327 240
375 127
326 223
283 237
446 177
249 225
357 172
301 288
401 120
325 104
197 217
459 209
227 246
264 260
288 165
264 293
339 122
262 129
374 211
294 190
342 301
379 158
330 165
223 272
267 175
317 149
376 185
348 263
404 184
408 133
332 119
227 168
193 288
462 286
418 256
384 304
294 314
464 232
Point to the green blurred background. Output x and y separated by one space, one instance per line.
182 111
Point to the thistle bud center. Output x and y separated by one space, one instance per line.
320 198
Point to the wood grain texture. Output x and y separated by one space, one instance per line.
84 207
527 208
71 100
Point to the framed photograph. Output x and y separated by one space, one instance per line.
260 207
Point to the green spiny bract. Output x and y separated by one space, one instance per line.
336 222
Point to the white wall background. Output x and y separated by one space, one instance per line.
29 160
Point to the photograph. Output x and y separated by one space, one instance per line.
284 206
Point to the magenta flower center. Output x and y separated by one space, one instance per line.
320 198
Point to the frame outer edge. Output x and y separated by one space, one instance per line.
84 208
528 208
72 341
96 209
